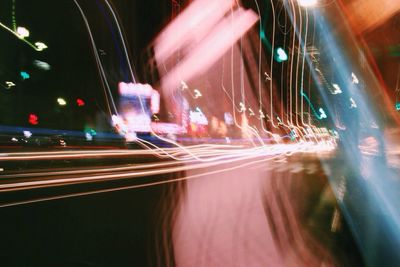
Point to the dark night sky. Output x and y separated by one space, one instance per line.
73 69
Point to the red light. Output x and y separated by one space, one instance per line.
33 119
80 102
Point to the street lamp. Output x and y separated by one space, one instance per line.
61 101
40 46
281 55
22 32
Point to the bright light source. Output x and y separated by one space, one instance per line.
41 65
228 118
22 32
184 85
24 75
337 89
307 3
80 102
40 46
397 106
251 112
198 117
282 56
242 107
323 114
61 101
354 78
353 103
9 84
197 93
88 136
27 134
33 119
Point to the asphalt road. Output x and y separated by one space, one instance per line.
252 212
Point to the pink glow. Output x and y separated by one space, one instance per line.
192 24
227 32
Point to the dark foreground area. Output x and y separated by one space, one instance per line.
135 227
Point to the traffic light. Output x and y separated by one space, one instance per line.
24 75
80 102
33 119
280 55
61 101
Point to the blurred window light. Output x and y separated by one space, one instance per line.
88 136
9 84
323 114
228 118
22 32
61 101
41 65
242 107
337 89
40 46
262 116
198 117
353 103
307 3
354 78
251 112
184 85
197 93
27 134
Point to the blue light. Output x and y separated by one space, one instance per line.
25 75
282 56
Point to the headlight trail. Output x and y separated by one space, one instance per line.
133 175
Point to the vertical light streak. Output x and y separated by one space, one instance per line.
13 16
103 77
294 22
302 69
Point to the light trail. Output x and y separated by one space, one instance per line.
35 46
204 153
209 153
185 178
128 187
215 162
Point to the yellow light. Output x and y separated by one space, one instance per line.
61 101
40 46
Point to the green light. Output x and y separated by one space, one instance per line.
25 75
321 110
262 35
281 55
397 106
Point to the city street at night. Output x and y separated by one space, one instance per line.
200 133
